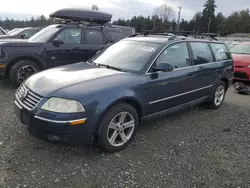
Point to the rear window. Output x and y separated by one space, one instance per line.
114 35
220 51
94 37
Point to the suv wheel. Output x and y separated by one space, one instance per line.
118 127
21 70
218 96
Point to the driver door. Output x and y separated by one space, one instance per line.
170 89
69 51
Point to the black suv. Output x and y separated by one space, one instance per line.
55 45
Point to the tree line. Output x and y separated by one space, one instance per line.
163 18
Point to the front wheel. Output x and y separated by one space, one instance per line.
118 127
21 70
218 96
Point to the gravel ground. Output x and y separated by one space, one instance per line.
193 148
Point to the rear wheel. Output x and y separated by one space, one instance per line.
118 127
21 70
218 96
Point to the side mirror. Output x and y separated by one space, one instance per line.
164 67
57 42
22 36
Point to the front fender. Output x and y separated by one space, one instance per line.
107 100
29 55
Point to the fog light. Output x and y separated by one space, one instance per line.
53 138
2 66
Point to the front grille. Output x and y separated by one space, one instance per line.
27 98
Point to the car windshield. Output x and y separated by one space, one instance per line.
127 55
243 48
45 34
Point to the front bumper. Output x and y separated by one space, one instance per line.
2 71
242 74
54 130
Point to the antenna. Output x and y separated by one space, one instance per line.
179 18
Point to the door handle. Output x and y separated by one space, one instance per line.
216 70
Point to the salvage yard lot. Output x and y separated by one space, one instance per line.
193 148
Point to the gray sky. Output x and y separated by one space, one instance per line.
119 8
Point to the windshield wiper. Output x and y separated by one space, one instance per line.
110 67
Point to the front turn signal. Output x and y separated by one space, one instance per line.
77 122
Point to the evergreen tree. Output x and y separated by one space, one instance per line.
208 16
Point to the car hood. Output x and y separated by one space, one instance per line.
18 42
241 59
87 76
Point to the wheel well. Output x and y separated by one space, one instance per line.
20 59
131 102
225 80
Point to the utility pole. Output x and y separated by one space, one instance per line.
209 16
209 23
179 19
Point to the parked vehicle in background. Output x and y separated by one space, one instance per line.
231 44
127 31
105 99
12 31
241 57
59 44
2 31
23 33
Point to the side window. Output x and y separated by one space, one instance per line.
176 55
70 36
220 51
93 37
202 53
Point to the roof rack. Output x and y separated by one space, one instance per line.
80 16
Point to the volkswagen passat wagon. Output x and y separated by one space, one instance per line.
104 100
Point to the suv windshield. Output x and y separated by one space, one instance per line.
45 34
243 48
127 55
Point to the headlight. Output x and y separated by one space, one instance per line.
63 105
248 66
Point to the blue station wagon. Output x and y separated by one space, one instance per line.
105 99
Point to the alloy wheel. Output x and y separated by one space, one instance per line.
25 72
120 129
219 95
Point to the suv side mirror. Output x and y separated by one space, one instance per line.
57 42
22 36
164 67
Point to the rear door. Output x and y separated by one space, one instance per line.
205 71
170 89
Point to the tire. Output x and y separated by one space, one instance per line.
212 102
105 132
16 68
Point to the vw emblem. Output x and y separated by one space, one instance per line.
23 93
